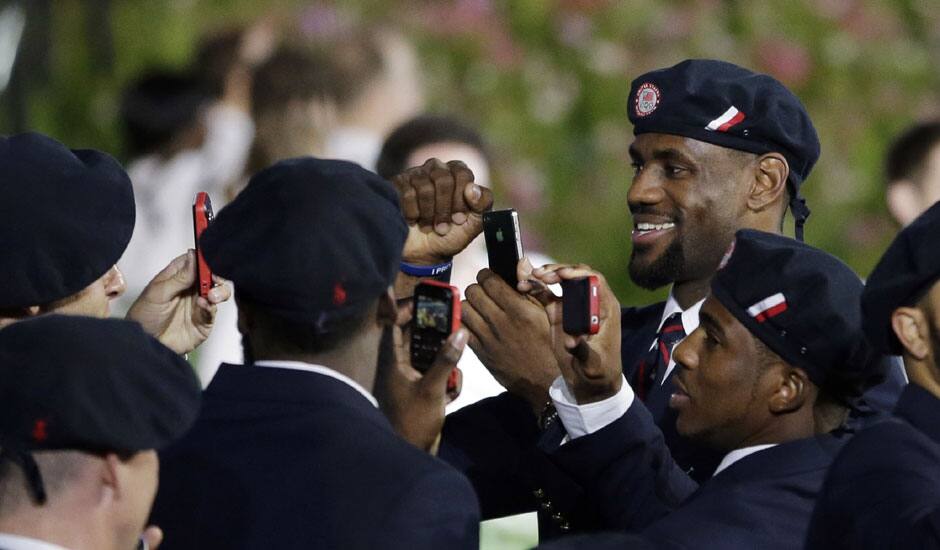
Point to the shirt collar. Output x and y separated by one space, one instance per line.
319 369
17 542
689 316
738 454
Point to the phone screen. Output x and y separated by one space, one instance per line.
432 313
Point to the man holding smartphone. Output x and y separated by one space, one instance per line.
68 216
291 449
717 148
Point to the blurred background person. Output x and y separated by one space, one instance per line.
186 131
912 171
449 138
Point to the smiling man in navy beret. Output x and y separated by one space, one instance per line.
884 488
717 148
68 215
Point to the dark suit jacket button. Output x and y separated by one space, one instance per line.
546 506
564 526
558 517
538 493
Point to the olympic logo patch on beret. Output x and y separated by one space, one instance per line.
647 99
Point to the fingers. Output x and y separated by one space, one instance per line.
462 178
443 182
221 292
474 322
424 187
435 379
151 537
497 290
407 196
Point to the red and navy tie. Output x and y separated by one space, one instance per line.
656 361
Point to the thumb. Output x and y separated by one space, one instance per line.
176 277
478 198
435 379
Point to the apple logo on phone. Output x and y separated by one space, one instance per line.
499 235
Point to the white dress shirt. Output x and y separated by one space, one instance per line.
689 324
16 542
738 454
319 369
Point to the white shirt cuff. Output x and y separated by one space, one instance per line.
586 419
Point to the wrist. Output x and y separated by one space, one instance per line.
585 394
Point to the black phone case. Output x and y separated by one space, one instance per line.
576 306
503 243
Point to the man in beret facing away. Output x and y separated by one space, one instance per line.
291 450
67 218
717 148
84 405
766 379
883 490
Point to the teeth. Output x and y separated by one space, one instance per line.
654 226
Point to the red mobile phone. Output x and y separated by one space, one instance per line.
580 306
202 217
436 317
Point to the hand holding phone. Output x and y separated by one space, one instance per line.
202 217
503 243
580 306
436 317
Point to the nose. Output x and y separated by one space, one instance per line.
685 354
645 190
114 283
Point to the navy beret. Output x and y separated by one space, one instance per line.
310 240
803 303
87 384
908 269
729 106
67 218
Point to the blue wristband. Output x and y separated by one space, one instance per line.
425 270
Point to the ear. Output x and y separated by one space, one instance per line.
904 201
770 182
910 326
387 311
112 483
791 392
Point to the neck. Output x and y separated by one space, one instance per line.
357 358
789 427
923 373
75 531
688 293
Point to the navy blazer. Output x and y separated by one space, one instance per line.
497 444
284 459
763 500
884 488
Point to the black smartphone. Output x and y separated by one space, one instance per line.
436 317
503 243
202 217
580 306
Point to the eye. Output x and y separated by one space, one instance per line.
673 171
710 340
637 167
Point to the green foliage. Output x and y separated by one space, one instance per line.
547 81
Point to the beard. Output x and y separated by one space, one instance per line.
661 271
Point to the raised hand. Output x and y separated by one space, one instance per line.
171 309
443 209
590 364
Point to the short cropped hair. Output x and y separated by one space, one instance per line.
157 107
421 131
283 336
908 152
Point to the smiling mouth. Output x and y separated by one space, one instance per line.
649 231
